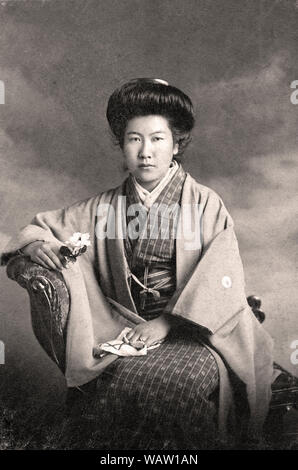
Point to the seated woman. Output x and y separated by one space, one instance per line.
164 262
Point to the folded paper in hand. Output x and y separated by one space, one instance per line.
119 347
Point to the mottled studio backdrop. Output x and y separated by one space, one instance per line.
61 59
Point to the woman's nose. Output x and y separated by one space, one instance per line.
145 150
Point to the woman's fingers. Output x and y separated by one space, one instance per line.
130 334
125 339
46 253
47 260
141 342
138 336
38 260
139 339
54 249
151 331
144 338
53 257
133 337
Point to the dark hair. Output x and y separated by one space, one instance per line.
146 96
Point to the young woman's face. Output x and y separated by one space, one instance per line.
148 149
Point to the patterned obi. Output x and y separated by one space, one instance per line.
159 284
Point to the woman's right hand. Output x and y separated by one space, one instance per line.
46 254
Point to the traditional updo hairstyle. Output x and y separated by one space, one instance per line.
146 96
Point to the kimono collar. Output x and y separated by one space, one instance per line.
149 197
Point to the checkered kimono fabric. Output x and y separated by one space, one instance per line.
166 400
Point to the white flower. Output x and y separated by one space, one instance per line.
85 239
75 238
79 240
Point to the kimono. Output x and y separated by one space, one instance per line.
200 282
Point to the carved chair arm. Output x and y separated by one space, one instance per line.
49 302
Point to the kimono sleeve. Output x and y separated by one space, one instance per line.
212 294
56 225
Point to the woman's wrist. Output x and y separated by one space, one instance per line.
168 318
165 320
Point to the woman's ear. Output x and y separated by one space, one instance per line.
176 148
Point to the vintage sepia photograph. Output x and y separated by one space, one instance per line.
148 238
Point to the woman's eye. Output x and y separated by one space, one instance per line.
156 139
134 139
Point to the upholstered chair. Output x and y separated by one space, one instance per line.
50 302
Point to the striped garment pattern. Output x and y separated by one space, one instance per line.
152 261
145 250
167 399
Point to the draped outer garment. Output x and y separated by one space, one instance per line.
210 291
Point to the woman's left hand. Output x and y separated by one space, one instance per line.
150 332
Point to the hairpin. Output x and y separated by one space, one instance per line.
159 80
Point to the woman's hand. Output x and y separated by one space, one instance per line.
46 254
150 332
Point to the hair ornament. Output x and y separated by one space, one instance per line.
159 80
148 80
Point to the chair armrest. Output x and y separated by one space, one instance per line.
49 302
285 386
255 303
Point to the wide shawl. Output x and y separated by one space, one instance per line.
210 292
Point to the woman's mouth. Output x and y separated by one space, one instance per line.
145 165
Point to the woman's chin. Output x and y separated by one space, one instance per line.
147 177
